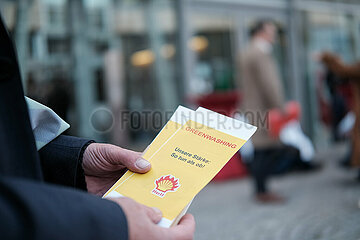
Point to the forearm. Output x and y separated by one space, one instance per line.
269 85
336 65
61 161
347 71
39 211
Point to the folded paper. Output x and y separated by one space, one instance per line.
185 156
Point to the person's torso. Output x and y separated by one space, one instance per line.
18 155
254 105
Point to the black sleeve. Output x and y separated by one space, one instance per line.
61 161
32 210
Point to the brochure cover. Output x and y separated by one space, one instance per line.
185 156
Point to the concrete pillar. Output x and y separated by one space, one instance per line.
164 79
83 79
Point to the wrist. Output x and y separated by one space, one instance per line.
80 174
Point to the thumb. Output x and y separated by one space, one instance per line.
154 214
185 229
141 165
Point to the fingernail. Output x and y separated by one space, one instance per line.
157 211
142 163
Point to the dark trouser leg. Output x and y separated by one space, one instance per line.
284 159
271 161
260 171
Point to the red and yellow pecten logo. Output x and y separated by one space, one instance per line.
165 184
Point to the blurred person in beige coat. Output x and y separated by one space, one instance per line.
262 91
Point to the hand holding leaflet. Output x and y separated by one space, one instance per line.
187 153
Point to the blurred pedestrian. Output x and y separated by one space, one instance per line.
352 73
262 91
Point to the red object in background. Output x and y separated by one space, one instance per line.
233 169
278 118
221 102
224 103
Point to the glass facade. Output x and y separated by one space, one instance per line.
162 53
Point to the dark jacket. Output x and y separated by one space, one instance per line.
42 195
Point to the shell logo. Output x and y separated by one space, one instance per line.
165 184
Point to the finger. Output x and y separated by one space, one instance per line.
140 166
154 214
185 229
130 159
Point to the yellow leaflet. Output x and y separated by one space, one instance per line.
171 128
190 159
187 153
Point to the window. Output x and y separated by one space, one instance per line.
58 46
96 18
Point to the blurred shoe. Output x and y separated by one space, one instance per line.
269 198
308 166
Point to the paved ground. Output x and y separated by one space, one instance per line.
322 206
